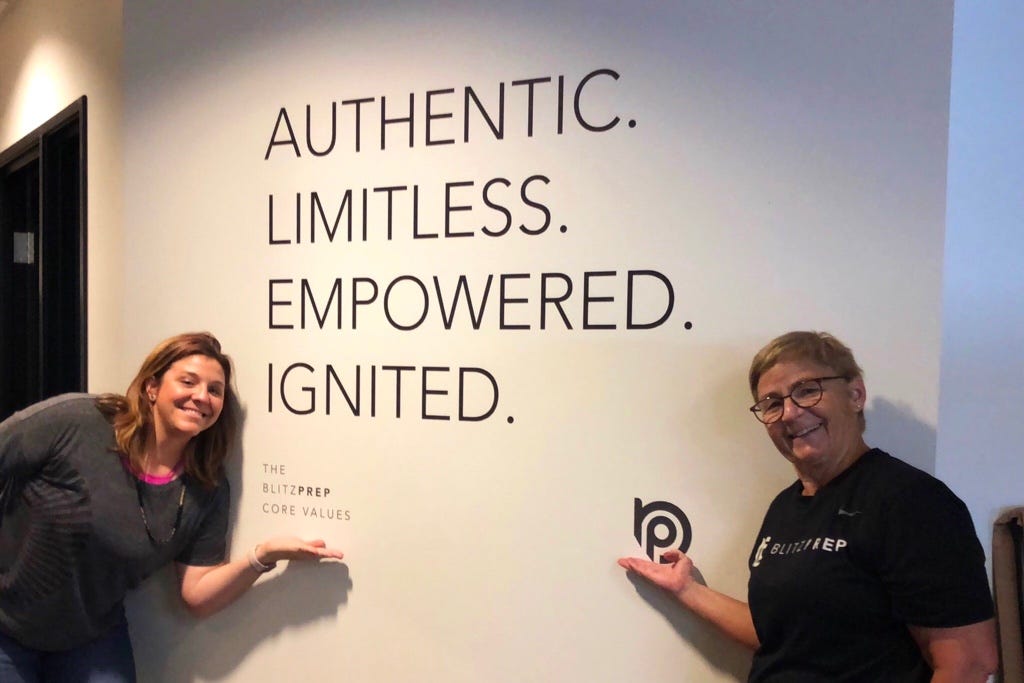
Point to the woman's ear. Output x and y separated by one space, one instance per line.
149 388
858 393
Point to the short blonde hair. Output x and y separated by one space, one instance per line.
819 347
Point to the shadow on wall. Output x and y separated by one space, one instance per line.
895 429
721 653
304 593
233 470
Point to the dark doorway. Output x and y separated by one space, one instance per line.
42 262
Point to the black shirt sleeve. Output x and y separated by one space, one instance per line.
931 560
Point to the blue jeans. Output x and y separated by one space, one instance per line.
108 659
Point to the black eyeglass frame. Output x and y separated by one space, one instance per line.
758 412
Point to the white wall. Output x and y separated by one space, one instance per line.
981 433
787 170
51 53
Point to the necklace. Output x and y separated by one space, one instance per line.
177 516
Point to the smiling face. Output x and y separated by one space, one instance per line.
188 397
826 438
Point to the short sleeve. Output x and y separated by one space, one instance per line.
209 545
932 562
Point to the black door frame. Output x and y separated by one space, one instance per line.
61 251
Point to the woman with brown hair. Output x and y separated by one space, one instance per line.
99 492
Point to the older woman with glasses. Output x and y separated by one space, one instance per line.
865 569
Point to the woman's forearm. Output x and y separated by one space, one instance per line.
206 590
731 616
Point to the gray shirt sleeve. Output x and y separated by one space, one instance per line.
28 438
209 546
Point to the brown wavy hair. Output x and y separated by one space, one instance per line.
132 416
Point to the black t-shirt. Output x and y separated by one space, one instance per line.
836 578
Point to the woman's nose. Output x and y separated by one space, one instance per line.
790 409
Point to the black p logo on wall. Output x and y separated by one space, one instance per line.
660 525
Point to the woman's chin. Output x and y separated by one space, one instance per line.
806 455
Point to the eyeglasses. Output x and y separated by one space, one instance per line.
805 394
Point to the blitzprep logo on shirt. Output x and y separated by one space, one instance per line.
825 544
762 546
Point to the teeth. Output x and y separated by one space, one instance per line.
804 432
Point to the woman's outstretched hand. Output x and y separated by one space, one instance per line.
730 615
294 548
207 589
675 577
